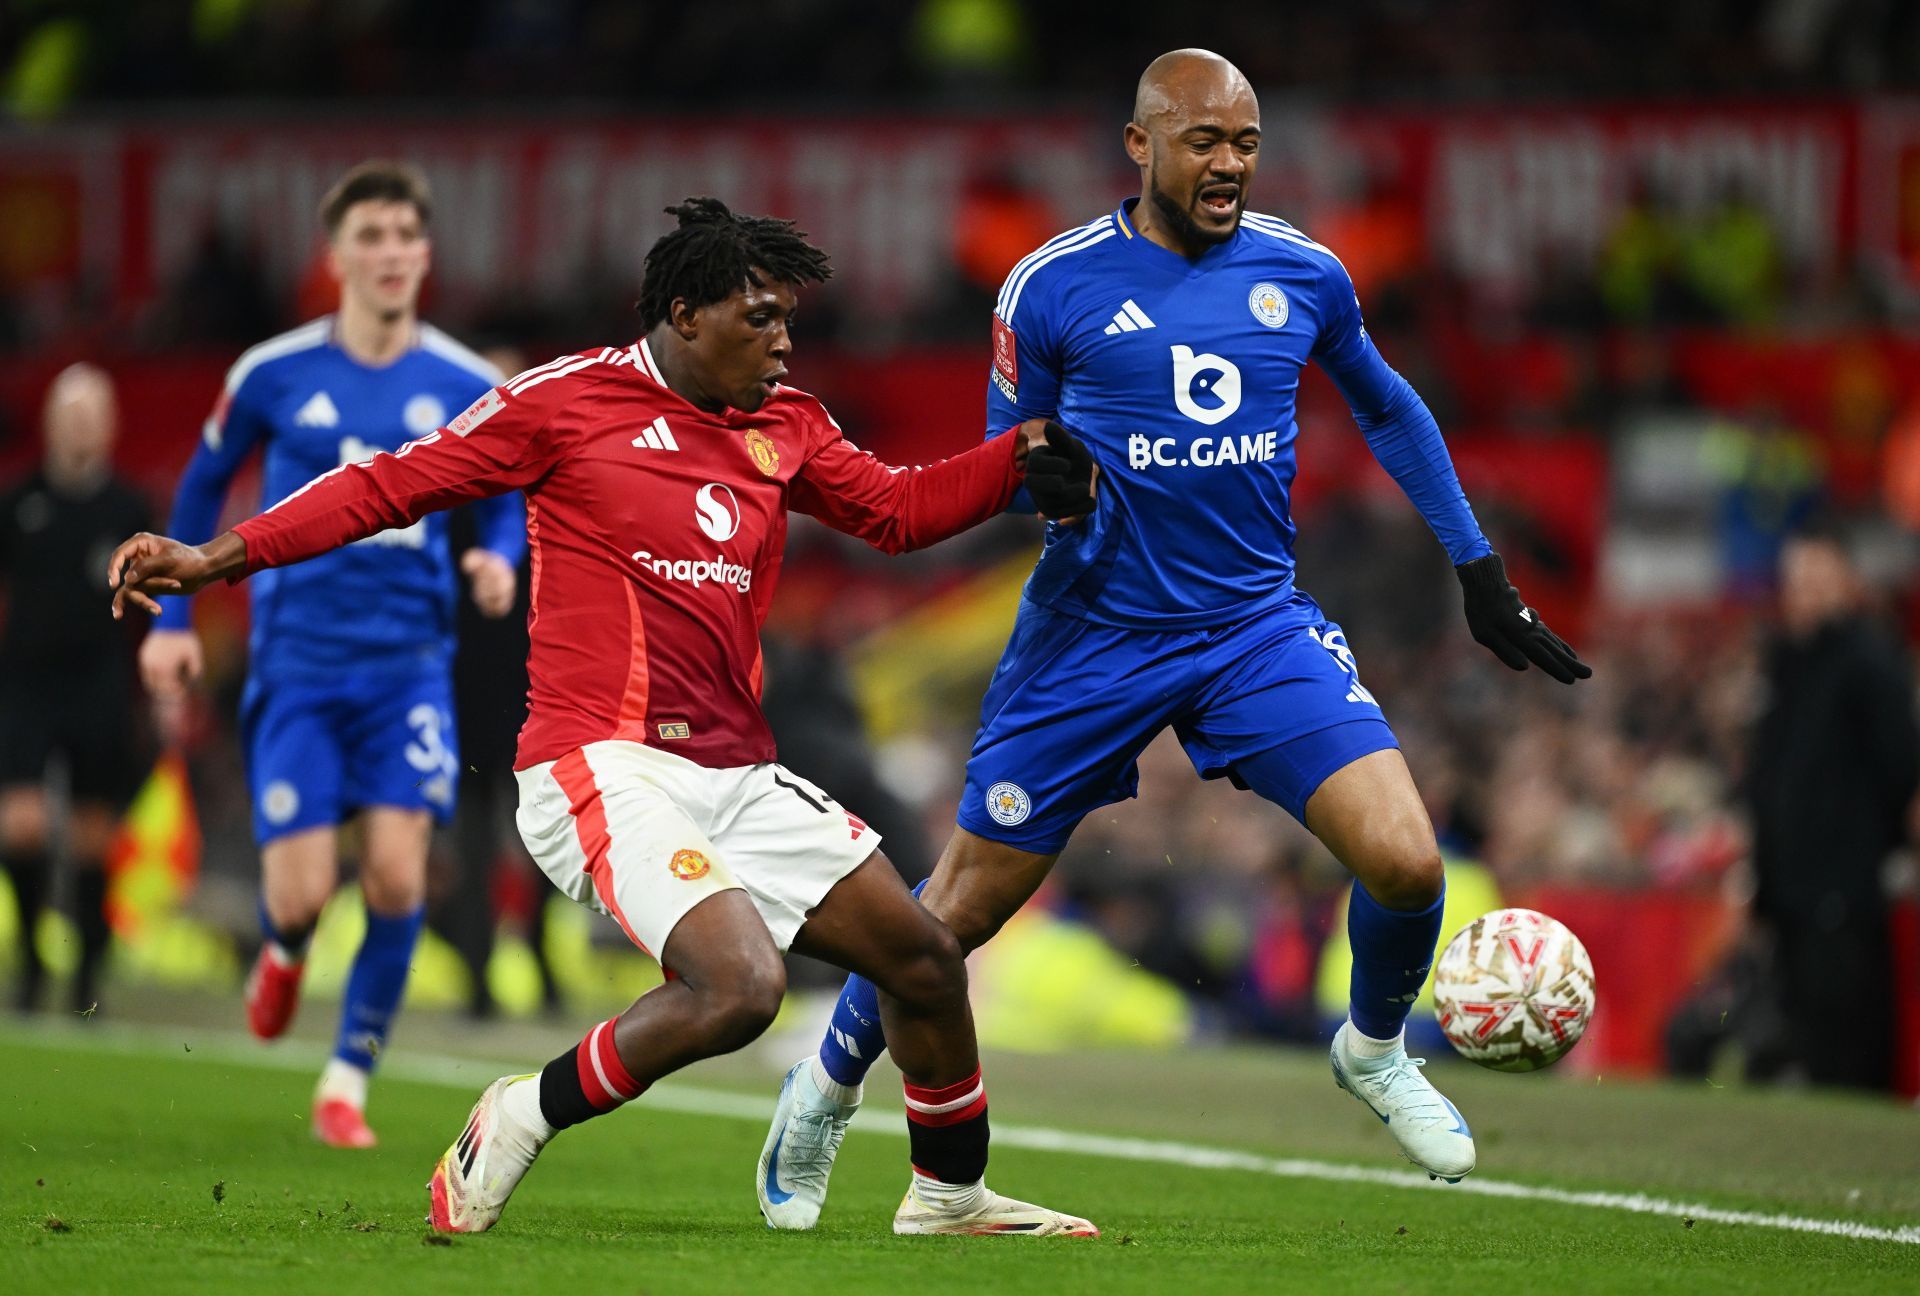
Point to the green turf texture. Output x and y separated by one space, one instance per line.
153 1170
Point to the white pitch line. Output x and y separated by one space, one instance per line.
472 1073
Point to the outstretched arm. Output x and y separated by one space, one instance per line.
506 448
897 509
1404 437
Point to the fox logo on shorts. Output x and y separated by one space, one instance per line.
689 865
1009 804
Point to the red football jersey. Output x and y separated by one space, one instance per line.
656 532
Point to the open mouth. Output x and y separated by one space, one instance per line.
1220 200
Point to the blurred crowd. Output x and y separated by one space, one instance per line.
928 51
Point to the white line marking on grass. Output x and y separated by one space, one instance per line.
474 1073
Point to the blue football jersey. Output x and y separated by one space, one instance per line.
1181 377
310 407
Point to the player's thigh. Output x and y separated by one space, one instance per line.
393 858
1370 815
296 760
787 841
403 751
1071 706
611 832
1272 684
979 884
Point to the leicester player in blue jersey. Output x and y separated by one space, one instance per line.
1170 335
348 711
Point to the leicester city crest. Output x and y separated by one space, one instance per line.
1009 804
1268 304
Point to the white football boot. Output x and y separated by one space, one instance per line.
799 1151
504 1133
1429 1129
985 1213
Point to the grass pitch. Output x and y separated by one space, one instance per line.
178 1160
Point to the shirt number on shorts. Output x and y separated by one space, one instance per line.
1335 642
801 792
428 752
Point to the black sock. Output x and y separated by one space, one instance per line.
585 1081
27 872
90 904
947 1130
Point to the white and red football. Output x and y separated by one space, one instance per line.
1514 990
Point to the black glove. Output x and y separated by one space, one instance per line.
1513 631
1060 476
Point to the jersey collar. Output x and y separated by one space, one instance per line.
642 357
1164 257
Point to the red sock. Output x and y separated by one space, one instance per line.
586 1081
947 1130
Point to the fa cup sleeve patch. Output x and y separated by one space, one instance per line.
1006 361
478 412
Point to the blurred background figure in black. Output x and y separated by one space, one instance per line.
70 757
1836 760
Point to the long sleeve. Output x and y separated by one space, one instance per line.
505 446
1023 381
501 526
1399 428
897 509
229 436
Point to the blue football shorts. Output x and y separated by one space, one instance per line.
319 751
1073 703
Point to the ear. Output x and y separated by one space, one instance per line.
684 318
1138 143
334 266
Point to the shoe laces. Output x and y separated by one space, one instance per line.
1401 1085
812 1138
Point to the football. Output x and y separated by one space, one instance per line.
1514 990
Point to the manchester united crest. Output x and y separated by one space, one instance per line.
689 865
766 456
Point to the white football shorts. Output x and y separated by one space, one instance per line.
643 836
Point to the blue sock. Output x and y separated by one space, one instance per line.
1392 954
855 1039
292 942
374 987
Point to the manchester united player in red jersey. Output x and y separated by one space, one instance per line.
658 478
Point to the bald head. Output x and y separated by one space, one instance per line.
78 423
1195 135
1187 78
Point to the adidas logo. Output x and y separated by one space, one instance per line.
656 437
317 412
1129 319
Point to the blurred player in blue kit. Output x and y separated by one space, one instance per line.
347 713
1170 335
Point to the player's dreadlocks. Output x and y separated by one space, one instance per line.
715 252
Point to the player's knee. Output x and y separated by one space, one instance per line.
741 1005
1410 878
973 924
933 976
393 885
